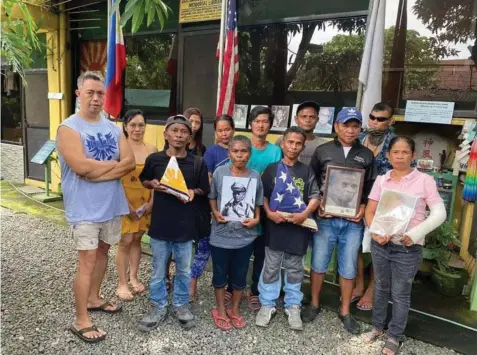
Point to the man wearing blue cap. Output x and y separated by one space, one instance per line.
346 151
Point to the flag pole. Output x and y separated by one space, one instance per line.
359 95
223 20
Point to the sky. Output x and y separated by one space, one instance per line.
321 37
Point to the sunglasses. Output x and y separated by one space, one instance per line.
379 119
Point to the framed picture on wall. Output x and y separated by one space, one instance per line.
325 120
240 116
281 113
342 191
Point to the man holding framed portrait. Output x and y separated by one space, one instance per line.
345 171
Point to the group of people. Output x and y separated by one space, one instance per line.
111 182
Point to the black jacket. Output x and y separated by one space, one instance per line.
359 157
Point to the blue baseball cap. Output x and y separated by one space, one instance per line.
349 113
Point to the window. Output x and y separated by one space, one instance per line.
431 53
290 63
151 74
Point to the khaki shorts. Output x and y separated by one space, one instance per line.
88 234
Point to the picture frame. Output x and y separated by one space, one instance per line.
282 115
237 201
342 191
240 116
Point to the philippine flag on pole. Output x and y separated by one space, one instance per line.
116 63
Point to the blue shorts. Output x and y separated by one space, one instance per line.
230 265
348 235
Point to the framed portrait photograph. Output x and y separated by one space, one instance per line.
238 198
393 214
342 191
293 115
240 116
325 120
281 113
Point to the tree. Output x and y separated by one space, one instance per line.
19 36
452 21
334 66
137 10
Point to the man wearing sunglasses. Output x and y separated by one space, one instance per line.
376 137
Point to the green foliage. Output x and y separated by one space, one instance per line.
334 66
137 10
19 37
147 62
443 240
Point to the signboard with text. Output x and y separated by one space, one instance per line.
429 111
199 10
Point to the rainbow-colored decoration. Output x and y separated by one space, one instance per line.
470 186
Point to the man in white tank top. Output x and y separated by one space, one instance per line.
94 155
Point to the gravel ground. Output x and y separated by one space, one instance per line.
38 263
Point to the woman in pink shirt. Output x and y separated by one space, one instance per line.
396 259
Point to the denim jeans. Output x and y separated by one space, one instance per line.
337 231
202 254
394 269
271 279
182 254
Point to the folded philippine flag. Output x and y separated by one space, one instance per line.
174 180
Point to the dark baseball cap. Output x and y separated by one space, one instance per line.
349 113
308 104
179 119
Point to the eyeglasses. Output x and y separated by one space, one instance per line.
379 119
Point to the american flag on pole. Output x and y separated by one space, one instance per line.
230 73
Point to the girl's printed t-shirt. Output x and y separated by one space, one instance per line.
232 235
216 156
416 184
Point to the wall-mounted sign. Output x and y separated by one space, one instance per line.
429 111
199 10
55 95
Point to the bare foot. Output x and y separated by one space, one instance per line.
137 286
111 306
124 294
358 292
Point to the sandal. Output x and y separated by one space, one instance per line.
220 322
395 348
372 336
104 308
254 303
227 299
364 306
80 334
237 322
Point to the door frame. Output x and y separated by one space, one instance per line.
183 34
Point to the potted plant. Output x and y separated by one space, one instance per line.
441 245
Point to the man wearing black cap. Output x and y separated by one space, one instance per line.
307 118
346 151
173 223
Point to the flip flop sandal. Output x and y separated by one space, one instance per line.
125 296
237 322
254 303
219 321
364 307
104 306
354 299
80 334
395 348
372 336
227 299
